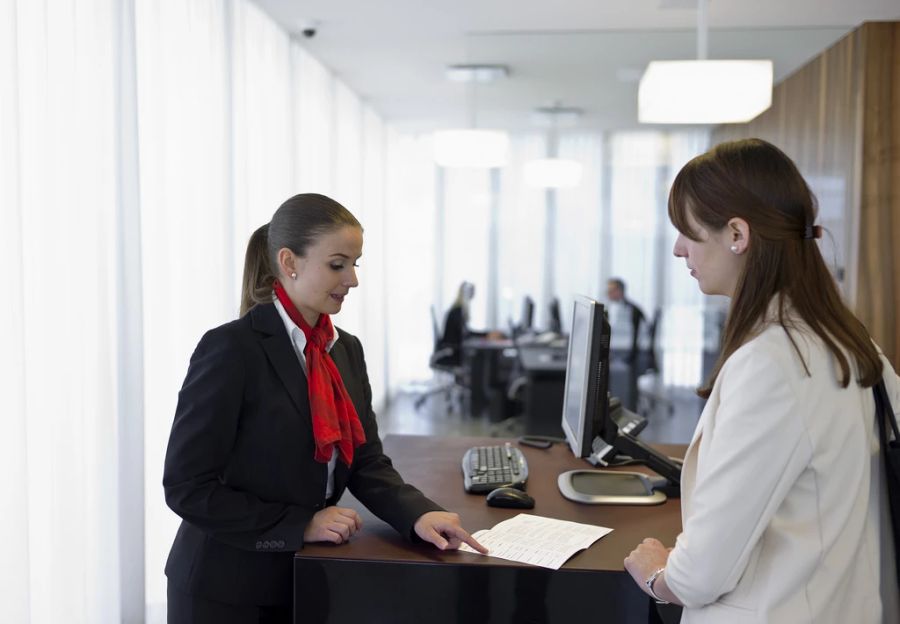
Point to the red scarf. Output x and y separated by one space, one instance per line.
334 418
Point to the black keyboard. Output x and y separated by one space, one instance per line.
486 468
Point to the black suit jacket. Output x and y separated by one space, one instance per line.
239 467
637 318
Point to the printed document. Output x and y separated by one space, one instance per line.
544 542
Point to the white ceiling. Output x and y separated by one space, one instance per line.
582 53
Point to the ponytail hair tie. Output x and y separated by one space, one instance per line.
812 231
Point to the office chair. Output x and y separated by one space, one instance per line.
650 389
445 362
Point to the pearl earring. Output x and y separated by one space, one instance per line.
294 275
734 249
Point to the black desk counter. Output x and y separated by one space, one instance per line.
381 578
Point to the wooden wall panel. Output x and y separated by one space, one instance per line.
878 293
838 117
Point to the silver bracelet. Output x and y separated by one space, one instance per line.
649 583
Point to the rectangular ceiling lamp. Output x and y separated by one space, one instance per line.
471 148
704 92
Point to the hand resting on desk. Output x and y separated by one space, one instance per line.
338 524
442 529
332 524
649 556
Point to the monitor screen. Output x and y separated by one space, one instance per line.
585 403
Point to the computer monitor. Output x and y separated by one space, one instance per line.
527 314
587 376
554 318
590 429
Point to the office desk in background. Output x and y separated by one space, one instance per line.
485 375
380 578
545 376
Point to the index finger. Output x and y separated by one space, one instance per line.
461 534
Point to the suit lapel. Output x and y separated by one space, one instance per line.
277 346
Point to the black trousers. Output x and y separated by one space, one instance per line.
184 608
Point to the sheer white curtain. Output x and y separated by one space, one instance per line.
465 219
262 127
412 242
15 573
60 379
635 162
372 296
312 96
580 235
522 221
690 319
189 276
348 146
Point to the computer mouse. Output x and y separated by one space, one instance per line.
509 497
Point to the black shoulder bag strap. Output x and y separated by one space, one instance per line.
890 450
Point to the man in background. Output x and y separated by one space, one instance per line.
625 319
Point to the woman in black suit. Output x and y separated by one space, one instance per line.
273 422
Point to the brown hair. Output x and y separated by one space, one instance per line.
297 224
619 283
755 181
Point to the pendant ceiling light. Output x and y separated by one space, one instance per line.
553 172
472 146
703 91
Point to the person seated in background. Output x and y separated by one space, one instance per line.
625 319
456 325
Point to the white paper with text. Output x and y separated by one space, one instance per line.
540 541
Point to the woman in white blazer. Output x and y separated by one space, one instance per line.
782 512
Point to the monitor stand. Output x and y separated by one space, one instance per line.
627 444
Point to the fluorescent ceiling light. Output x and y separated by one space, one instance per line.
552 173
704 92
476 73
471 148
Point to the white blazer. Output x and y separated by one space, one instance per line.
781 494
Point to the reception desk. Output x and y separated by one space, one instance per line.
379 577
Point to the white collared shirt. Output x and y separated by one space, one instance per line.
298 341
621 326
